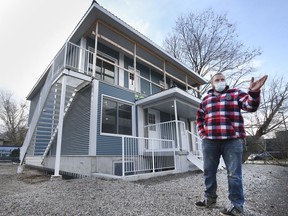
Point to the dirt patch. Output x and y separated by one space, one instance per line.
34 179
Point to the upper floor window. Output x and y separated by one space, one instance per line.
105 70
116 117
134 83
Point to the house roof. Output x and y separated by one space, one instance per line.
98 12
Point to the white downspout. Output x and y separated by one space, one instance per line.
60 129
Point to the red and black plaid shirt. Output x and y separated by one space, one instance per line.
219 116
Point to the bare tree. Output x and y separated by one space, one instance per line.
272 114
207 42
13 118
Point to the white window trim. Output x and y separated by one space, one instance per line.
115 61
132 115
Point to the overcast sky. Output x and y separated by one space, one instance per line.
33 31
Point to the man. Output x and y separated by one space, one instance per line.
221 127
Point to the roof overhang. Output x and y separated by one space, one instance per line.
165 101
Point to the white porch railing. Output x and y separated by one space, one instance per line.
147 155
184 139
168 131
195 144
73 57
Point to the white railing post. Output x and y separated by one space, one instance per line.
174 154
153 159
65 55
60 128
137 164
123 156
177 126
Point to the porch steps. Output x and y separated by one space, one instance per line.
196 160
33 161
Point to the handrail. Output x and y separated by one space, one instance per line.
38 110
198 142
146 155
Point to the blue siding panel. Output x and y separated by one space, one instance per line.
75 140
110 145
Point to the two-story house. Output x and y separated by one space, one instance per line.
112 103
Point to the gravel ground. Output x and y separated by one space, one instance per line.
32 193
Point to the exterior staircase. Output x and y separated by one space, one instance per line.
44 125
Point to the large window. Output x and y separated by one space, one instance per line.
116 117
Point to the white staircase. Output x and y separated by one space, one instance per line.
70 94
197 161
195 150
44 125
37 113
195 155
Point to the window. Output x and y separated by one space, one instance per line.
116 117
134 83
105 70
152 121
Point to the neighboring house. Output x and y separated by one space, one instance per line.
113 103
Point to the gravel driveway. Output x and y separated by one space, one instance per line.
32 193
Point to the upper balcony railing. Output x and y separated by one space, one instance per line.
73 57
78 59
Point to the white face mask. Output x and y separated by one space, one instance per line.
220 86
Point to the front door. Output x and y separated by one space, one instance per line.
183 126
154 128
134 82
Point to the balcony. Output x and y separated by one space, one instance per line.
81 61
72 57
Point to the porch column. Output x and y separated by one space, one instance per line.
95 50
81 63
60 128
135 67
164 75
93 118
177 126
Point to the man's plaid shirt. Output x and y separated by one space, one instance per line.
219 116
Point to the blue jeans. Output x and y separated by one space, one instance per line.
231 151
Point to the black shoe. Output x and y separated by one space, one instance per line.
231 211
205 203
